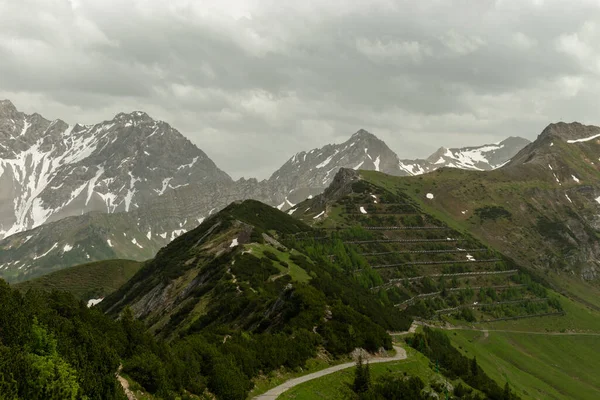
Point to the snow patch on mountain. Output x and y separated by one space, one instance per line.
486 157
53 170
55 245
586 139
377 162
327 160
177 232
93 302
359 165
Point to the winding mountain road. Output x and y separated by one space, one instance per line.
277 391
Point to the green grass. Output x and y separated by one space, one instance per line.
296 272
337 385
528 195
537 366
577 318
93 280
276 378
586 292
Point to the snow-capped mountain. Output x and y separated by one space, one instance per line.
481 158
308 173
50 170
132 184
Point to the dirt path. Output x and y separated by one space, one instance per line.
125 385
277 391
412 329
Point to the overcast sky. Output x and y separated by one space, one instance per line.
253 82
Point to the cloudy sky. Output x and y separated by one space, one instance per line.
252 82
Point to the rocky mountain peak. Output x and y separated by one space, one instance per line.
515 140
569 131
435 156
546 152
138 116
365 135
309 173
51 170
7 109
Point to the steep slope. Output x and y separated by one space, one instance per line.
236 270
87 281
77 240
541 209
427 267
310 172
481 158
50 170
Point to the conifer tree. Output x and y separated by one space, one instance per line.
362 376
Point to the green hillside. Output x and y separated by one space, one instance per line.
87 281
425 266
540 210
511 249
538 366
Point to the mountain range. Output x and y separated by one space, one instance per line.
252 289
124 188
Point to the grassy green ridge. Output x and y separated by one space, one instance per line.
86 281
537 366
399 250
247 293
544 231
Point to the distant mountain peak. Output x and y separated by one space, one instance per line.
364 134
133 116
569 131
7 108
55 170
478 158
543 151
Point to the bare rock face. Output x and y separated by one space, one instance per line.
50 170
308 173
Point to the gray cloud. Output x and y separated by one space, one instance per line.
252 82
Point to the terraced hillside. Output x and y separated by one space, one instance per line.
408 256
541 210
